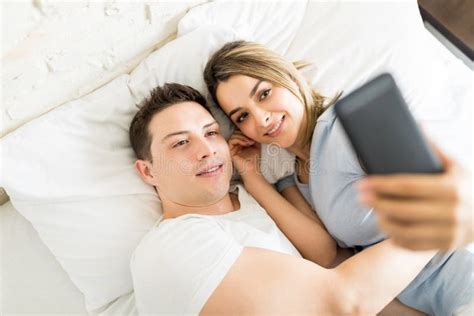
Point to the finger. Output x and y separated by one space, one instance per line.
405 233
233 146
411 210
233 151
237 131
244 140
241 137
422 244
240 142
409 185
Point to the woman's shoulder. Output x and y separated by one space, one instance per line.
324 129
331 146
328 115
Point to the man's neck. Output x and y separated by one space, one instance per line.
227 204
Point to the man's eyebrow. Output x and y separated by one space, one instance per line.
252 93
185 132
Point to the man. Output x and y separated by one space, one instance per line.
219 252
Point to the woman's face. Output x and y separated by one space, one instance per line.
263 111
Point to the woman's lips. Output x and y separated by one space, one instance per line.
276 129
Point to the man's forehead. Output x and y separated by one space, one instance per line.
179 117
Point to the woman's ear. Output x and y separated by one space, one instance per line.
144 169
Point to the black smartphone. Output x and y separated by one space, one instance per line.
382 130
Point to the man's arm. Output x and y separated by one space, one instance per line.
424 211
266 282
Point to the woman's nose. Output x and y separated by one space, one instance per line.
263 118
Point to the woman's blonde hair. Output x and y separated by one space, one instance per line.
257 61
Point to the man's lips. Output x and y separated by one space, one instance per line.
210 169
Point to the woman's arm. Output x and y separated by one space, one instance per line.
306 232
294 196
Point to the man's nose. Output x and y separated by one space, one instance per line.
206 149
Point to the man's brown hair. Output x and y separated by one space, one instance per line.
160 98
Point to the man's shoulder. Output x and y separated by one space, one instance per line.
178 239
183 259
182 243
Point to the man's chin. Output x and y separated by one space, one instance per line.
209 196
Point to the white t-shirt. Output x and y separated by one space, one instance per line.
180 262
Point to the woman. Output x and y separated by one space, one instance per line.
269 101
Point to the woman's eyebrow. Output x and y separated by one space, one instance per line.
252 93
234 110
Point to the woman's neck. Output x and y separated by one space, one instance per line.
300 151
299 148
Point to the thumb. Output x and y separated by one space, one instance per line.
446 160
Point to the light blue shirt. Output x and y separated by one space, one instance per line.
447 281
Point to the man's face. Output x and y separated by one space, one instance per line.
191 159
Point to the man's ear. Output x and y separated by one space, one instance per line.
144 170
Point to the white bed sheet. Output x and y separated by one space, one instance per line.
32 279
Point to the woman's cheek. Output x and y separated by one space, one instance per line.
249 129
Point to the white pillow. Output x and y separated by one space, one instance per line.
70 172
273 23
183 61
351 43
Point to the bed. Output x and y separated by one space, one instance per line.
349 43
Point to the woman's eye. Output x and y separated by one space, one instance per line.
264 94
241 117
212 133
180 143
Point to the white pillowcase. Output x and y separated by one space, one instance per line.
351 43
70 172
183 61
273 23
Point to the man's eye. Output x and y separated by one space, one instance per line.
180 143
241 117
212 133
264 94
